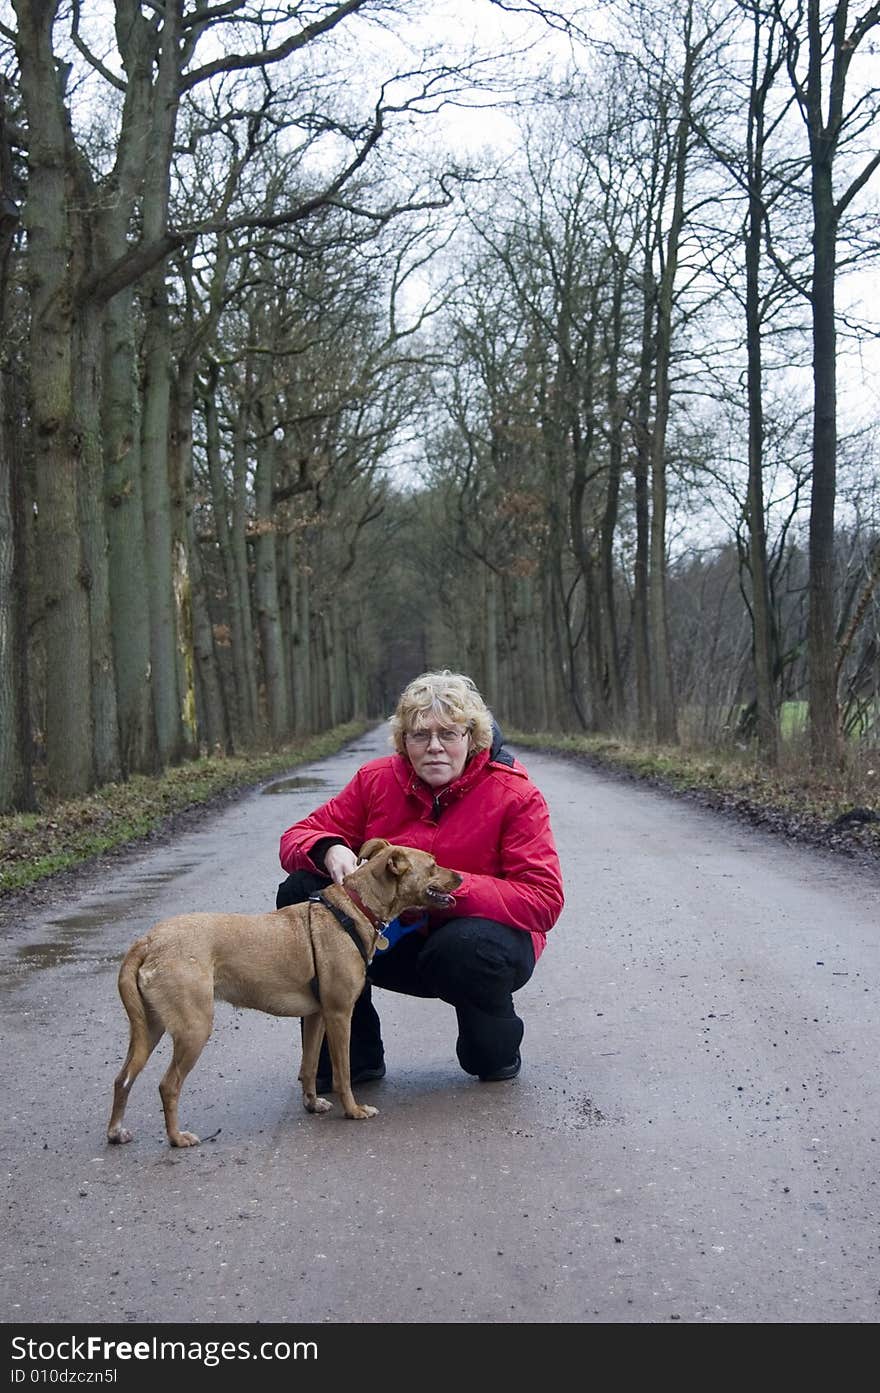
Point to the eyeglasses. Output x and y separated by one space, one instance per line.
422 738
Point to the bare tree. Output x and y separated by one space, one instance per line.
115 233
822 43
16 783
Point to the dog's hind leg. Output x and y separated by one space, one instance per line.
145 1036
189 1041
312 1039
146 1029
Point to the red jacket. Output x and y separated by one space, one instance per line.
491 824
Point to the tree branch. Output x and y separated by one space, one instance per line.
238 61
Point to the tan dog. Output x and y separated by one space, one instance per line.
299 961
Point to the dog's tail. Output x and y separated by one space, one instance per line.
145 1033
142 1021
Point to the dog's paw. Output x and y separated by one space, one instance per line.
362 1110
317 1105
118 1137
185 1139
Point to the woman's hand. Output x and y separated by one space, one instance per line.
339 861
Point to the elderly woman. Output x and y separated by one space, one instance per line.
452 789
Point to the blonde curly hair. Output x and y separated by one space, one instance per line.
450 697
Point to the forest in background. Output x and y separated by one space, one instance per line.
298 399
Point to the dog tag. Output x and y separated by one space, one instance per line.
381 943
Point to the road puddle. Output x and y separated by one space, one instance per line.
73 940
289 785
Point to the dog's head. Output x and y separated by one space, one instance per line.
412 876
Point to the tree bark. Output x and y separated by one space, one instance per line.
155 428
490 661
823 712
121 406
237 702
611 674
215 729
198 652
57 455
126 537
824 736
762 620
16 782
832 42
665 717
266 592
180 484
93 532
251 716
641 476
304 710
16 756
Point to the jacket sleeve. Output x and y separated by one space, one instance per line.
342 817
527 893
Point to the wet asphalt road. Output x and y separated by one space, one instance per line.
694 1135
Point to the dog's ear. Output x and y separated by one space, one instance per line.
372 847
397 862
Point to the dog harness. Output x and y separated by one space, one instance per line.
347 923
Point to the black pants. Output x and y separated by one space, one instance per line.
473 964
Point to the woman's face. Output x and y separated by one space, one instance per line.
438 752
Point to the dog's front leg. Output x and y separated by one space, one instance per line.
188 1045
312 1038
338 1026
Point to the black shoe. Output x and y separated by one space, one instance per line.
324 1083
509 1071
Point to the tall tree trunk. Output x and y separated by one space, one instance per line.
239 701
126 536
665 717
530 678
611 675
180 484
832 41
824 736
199 654
579 434
304 710
163 557
266 592
215 732
138 150
559 716
63 578
570 639
16 782
295 641
87 330
641 476
490 609
823 713
87 410
250 715
155 428
339 673
762 623
323 694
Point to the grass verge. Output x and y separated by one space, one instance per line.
34 846
62 835
792 789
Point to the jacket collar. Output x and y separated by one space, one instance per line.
411 782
